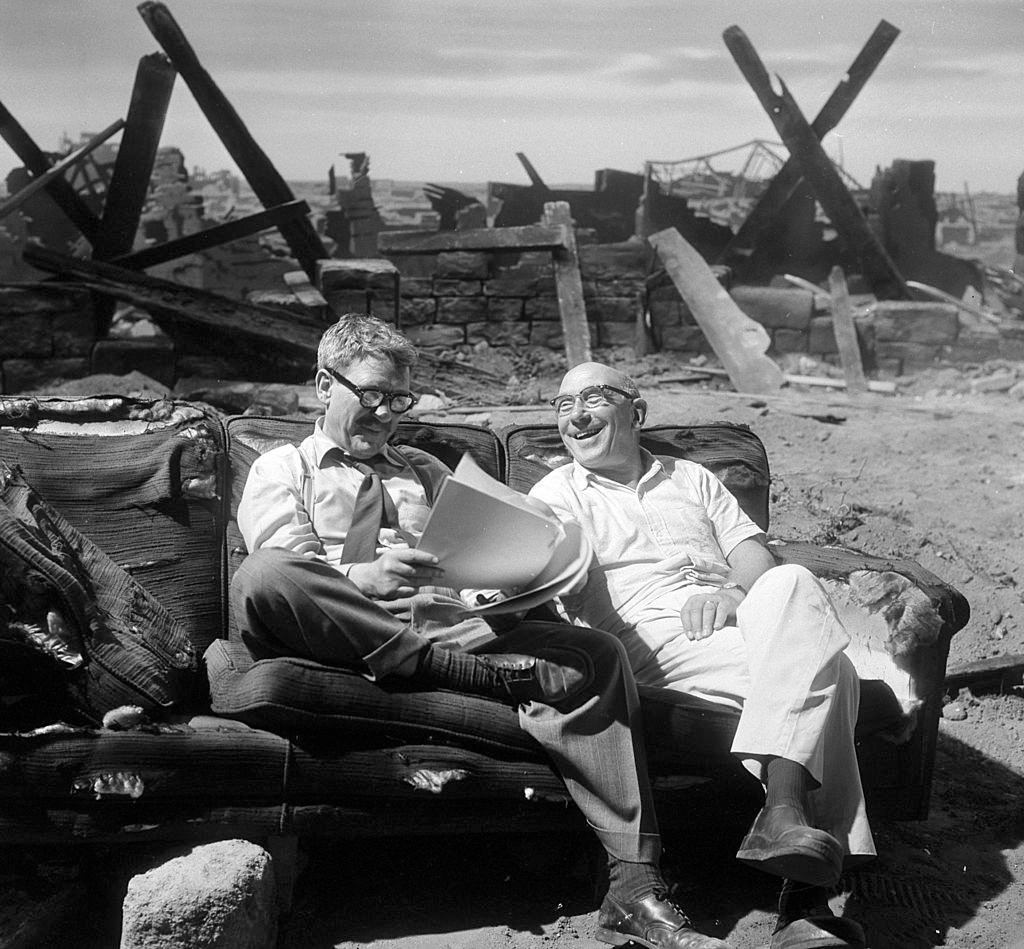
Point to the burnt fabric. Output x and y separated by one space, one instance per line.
111 642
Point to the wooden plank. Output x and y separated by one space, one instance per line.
846 334
1001 672
55 171
569 286
304 291
59 189
861 246
265 180
213 236
782 187
739 342
133 167
526 238
213 316
936 294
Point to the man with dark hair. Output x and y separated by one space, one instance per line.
332 576
684 579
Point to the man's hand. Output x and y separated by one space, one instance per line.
703 613
397 572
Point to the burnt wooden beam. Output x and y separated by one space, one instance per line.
525 238
55 171
59 189
208 316
532 173
995 674
785 183
213 236
133 167
863 250
264 179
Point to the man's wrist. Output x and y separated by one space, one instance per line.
732 585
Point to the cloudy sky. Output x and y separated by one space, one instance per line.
450 90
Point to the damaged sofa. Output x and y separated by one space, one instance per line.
286 747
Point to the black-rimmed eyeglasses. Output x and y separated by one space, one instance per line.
398 402
592 397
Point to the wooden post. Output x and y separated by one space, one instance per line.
846 334
133 167
568 283
59 189
736 339
252 161
860 243
785 183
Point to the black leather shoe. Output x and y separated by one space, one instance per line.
806 921
780 842
532 679
654 922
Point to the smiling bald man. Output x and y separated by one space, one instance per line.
685 580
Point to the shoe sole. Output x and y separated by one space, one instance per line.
816 862
620 939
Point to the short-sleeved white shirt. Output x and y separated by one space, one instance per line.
652 544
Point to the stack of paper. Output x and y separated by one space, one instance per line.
488 536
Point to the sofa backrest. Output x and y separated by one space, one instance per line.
731 451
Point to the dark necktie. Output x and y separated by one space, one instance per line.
373 507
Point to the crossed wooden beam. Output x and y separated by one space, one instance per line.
808 162
112 231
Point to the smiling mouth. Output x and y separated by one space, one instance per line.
582 436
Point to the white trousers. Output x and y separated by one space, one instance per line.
784 666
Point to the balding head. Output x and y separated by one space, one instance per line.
596 374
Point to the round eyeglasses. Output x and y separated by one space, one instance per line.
592 397
398 402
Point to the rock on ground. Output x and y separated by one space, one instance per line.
217 896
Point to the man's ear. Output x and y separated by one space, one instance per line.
639 412
322 385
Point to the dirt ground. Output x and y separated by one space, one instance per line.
934 473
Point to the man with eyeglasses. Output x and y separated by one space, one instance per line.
683 577
324 582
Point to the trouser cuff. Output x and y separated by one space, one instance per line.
399 656
632 848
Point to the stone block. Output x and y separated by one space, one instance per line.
43 299
541 309
913 357
461 309
416 266
436 335
216 896
821 336
610 261
355 274
457 288
21 375
417 287
26 334
666 312
498 334
972 346
462 265
906 321
775 307
789 341
418 311
684 339
285 299
521 281
508 309
548 334
153 357
614 309
346 301
616 334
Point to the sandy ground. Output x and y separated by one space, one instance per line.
932 474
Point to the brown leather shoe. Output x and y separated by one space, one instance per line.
654 922
532 679
780 842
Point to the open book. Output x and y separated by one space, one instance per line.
487 536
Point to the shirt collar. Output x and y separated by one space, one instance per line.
583 477
324 445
